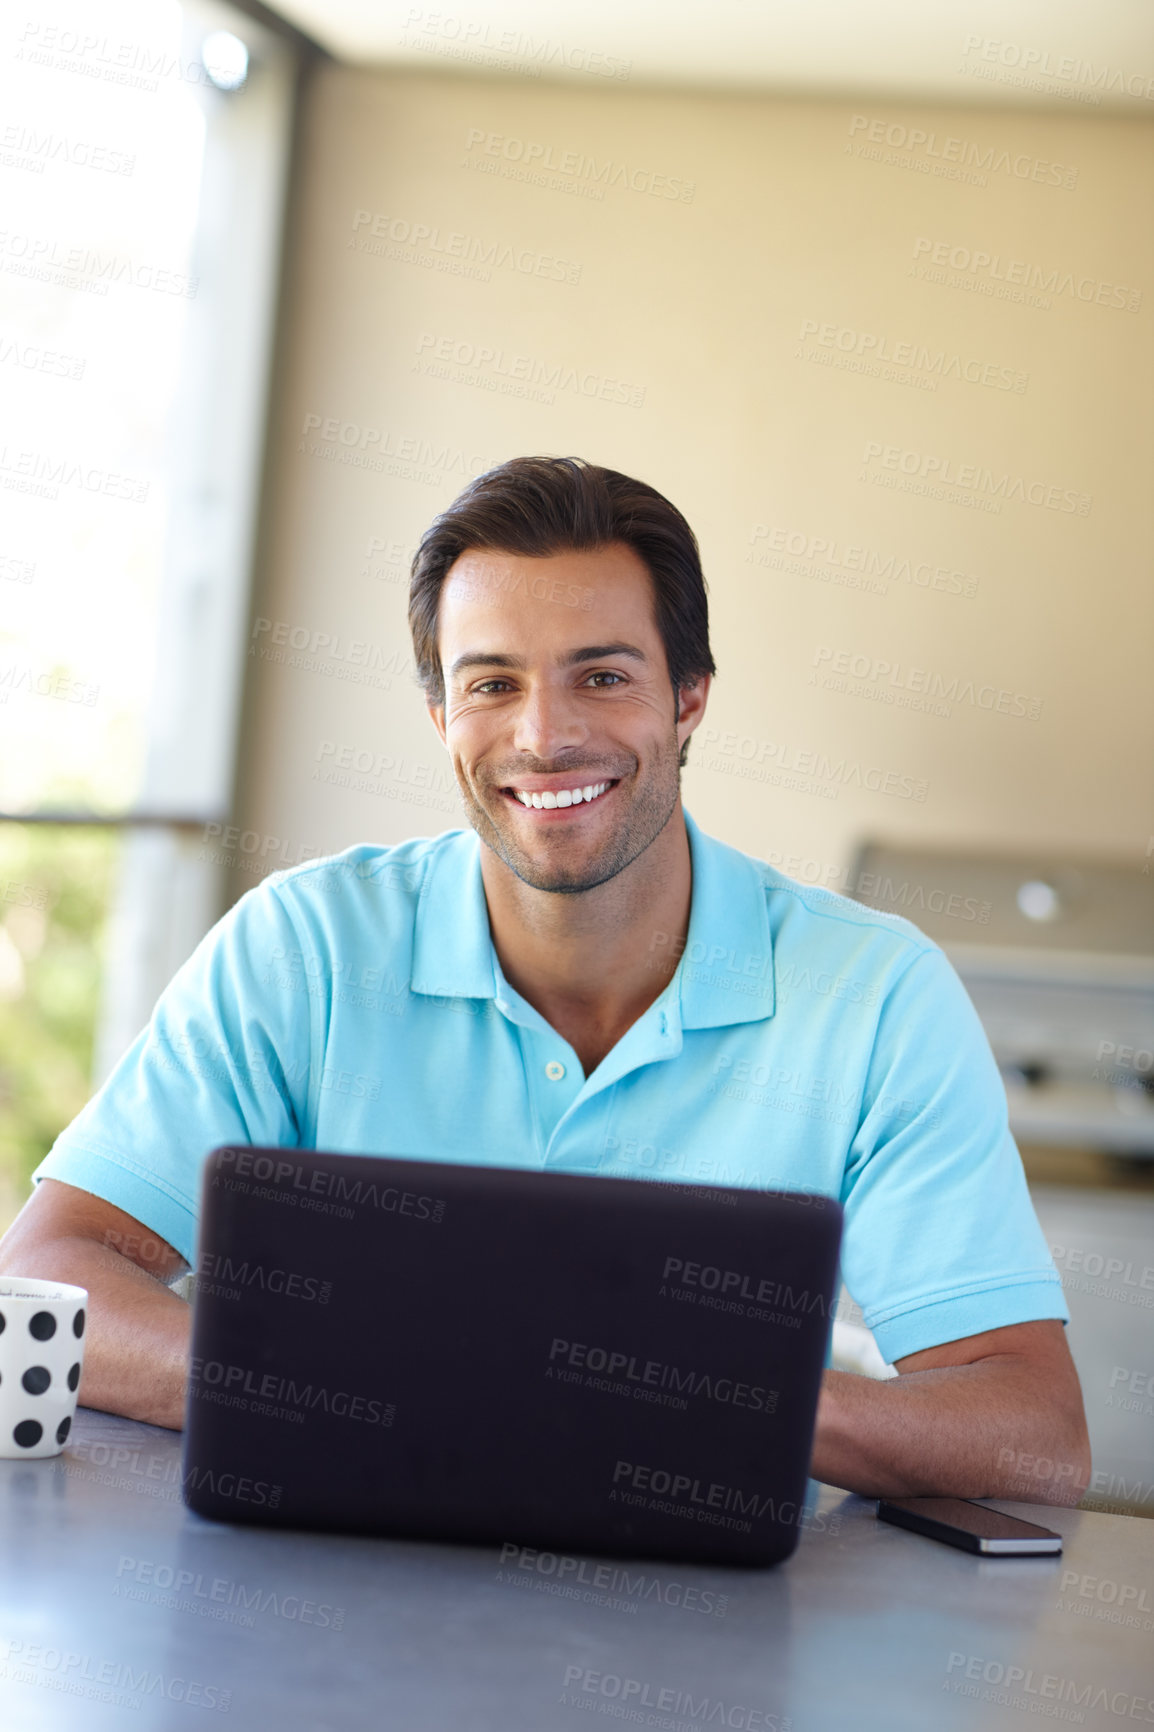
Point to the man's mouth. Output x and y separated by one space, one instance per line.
560 797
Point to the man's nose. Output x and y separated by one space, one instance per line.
548 721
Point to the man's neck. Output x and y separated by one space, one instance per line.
593 962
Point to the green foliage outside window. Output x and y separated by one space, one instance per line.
56 884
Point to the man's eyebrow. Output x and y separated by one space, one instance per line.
589 653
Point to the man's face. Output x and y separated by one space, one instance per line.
556 682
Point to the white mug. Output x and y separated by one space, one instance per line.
41 1355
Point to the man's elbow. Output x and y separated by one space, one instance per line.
1057 1471
1080 1457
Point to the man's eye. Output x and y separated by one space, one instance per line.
486 683
606 674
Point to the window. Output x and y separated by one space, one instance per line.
143 162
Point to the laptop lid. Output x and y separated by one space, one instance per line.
491 1354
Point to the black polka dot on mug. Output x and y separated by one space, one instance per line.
73 1376
28 1433
78 1323
36 1379
42 1326
63 1429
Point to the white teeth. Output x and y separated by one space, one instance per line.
563 797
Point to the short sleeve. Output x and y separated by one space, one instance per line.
941 1239
222 1059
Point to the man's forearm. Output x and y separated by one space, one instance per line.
136 1338
978 1430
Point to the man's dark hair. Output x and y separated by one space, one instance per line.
539 506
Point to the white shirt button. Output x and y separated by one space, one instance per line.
554 1070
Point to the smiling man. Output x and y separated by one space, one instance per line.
584 981
560 728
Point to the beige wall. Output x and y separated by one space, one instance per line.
784 212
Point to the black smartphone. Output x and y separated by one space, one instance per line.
972 1526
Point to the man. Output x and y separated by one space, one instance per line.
585 981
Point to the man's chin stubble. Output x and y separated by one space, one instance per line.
555 880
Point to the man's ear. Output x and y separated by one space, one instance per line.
437 717
691 701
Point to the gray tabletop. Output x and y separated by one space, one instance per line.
123 1609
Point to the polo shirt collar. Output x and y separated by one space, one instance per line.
452 945
724 976
726 970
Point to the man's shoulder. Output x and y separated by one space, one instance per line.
831 908
801 911
361 873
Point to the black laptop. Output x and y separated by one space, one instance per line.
488 1354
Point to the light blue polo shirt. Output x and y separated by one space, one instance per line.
804 1043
